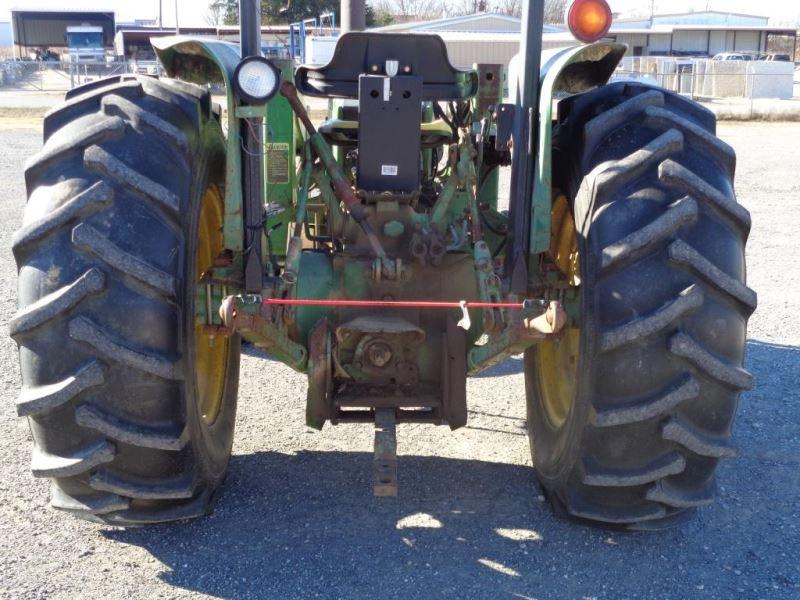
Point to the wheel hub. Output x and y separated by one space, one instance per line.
557 359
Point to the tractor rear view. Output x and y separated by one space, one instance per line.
370 253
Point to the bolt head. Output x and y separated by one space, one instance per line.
379 354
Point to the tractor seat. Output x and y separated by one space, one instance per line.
365 53
340 132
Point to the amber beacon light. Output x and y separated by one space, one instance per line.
589 20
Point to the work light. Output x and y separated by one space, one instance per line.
589 20
256 80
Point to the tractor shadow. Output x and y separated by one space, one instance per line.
305 524
510 366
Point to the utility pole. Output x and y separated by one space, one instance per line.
354 15
160 14
177 27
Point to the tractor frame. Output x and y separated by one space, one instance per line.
503 260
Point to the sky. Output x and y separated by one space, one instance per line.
193 12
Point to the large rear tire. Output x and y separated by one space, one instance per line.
630 412
131 407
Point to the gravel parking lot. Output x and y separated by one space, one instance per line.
297 518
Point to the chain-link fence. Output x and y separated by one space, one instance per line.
41 76
704 78
698 78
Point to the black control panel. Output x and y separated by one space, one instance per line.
389 121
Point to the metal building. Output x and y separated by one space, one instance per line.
131 39
479 38
697 40
36 28
700 34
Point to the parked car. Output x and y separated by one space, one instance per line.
773 56
144 62
732 56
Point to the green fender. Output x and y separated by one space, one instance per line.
208 61
203 61
564 71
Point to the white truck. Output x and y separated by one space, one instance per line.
85 44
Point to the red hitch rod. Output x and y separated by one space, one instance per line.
395 303
550 321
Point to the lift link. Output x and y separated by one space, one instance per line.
487 280
291 272
525 329
488 288
261 324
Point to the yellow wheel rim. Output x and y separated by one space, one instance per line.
557 359
557 368
210 353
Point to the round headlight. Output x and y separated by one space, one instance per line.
256 80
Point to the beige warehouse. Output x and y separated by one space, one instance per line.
468 48
470 39
494 38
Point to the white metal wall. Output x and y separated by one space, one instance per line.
747 41
695 41
690 41
633 40
659 43
718 43
465 53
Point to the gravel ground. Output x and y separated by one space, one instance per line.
297 519
13 99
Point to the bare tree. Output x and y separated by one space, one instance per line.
415 9
421 9
553 9
214 14
512 8
466 7
222 12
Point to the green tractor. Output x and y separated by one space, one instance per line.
371 254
